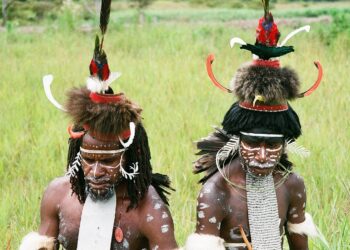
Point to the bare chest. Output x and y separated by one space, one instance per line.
237 214
69 217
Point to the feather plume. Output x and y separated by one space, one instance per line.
266 7
299 150
104 15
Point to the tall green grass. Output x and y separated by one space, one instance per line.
163 70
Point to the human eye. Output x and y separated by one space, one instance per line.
88 160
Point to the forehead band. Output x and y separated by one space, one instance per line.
262 135
93 151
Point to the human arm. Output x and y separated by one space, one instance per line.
157 223
297 239
46 236
211 207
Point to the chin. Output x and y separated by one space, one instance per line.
97 194
260 171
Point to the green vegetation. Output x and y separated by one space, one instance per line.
163 68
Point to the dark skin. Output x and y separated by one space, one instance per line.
148 226
222 208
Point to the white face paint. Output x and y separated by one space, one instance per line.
164 228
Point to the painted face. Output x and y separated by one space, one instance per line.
101 161
260 153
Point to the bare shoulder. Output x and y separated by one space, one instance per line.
152 203
56 190
58 185
214 190
297 198
295 184
156 221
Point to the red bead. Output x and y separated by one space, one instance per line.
118 234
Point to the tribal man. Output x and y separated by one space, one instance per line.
250 197
109 199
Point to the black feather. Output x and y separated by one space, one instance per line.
265 52
104 15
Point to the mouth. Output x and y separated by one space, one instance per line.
99 185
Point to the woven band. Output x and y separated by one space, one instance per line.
264 108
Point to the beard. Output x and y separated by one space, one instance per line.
98 194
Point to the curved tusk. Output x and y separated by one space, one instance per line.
47 80
293 33
316 84
131 138
210 60
74 135
235 40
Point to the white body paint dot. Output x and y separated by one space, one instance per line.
207 190
157 206
295 216
165 215
201 214
212 220
203 206
292 210
164 228
149 218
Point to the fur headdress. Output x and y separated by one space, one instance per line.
264 88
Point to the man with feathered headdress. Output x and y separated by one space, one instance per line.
109 199
250 197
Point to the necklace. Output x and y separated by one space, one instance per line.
118 233
284 174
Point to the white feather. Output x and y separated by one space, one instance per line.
112 77
308 228
299 150
35 241
93 84
293 33
47 80
238 40
204 242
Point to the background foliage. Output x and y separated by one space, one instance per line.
163 66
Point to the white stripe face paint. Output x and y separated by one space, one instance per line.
261 154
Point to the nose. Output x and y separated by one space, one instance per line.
98 171
261 157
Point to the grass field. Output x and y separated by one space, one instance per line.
163 70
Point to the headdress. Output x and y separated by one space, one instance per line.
96 109
263 89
